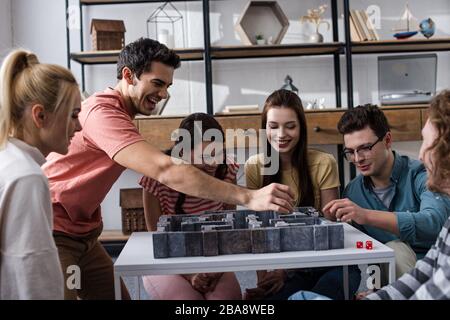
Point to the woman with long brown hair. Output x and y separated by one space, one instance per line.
313 177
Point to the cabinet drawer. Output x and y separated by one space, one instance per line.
241 131
405 124
322 127
158 131
244 133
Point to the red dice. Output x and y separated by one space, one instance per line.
359 244
369 245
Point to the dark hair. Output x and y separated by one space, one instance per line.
362 116
439 116
188 123
139 55
287 99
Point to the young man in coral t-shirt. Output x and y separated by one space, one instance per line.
108 144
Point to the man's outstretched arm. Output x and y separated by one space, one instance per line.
149 161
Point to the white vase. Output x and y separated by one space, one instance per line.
260 41
316 38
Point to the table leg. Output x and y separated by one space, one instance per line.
391 271
117 286
138 286
346 284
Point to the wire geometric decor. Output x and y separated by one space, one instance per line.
160 18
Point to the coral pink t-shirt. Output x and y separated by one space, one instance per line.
168 197
80 180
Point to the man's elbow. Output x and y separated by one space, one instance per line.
168 172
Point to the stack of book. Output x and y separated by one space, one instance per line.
245 109
361 27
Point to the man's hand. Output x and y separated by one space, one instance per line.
363 294
276 197
346 211
205 282
273 281
269 282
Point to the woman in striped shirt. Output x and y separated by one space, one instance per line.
159 199
430 278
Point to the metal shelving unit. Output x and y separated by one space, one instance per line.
209 53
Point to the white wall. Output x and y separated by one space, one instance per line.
5 28
40 26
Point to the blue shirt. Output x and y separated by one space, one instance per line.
421 214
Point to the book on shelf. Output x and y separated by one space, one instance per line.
363 23
240 109
368 23
354 35
358 24
363 26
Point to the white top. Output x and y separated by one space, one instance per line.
137 257
29 263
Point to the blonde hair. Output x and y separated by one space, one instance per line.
24 82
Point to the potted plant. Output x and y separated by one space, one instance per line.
260 39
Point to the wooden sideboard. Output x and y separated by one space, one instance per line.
406 124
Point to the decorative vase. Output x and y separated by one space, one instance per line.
427 28
316 37
260 41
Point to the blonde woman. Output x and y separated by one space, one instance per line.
39 106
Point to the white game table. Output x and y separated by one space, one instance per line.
136 259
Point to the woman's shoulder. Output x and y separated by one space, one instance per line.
318 157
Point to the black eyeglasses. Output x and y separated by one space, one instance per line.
363 151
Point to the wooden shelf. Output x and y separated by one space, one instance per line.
270 51
100 2
392 46
283 50
111 56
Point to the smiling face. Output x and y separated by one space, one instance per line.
150 88
373 163
283 129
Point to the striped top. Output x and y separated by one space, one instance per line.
168 197
429 280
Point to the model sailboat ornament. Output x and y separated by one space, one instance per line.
407 26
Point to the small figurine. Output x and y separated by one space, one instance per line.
407 25
288 85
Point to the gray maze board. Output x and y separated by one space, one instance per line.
245 231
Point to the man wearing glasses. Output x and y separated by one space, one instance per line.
389 200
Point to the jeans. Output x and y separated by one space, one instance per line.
307 295
328 282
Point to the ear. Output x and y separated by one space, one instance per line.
388 139
128 75
38 115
